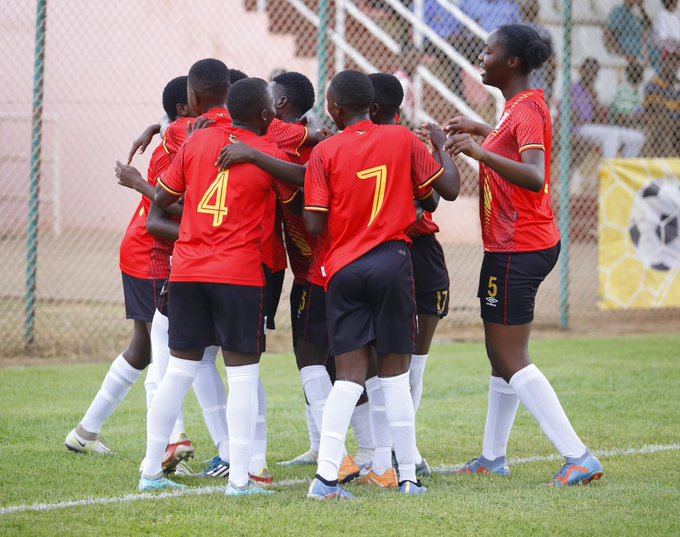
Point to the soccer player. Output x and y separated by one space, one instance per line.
521 246
141 287
360 184
216 282
431 287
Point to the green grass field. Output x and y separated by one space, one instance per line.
621 395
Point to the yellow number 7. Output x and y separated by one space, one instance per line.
218 190
380 174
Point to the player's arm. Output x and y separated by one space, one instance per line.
171 183
316 131
464 125
130 177
448 184
240 153
159 224
317 194
143 140
528 174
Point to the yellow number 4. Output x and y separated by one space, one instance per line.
218 190
380 174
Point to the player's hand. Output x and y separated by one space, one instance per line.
434 134
143 140
420 212
464 143
127 175
237 153
460 124
200 123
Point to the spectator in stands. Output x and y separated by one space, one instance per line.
665 32
543 78
627 109
627 27
590 116
662 104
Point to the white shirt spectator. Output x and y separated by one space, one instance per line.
666 28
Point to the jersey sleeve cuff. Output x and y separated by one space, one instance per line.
428 195
168 189
316 209
432 178
528 147
290 198
302 142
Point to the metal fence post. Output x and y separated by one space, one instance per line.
34 181
565 165
322 55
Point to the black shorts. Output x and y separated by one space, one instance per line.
272 294
296 292
204 314
371 301
508 284
311 316
430 276
162 304
141 297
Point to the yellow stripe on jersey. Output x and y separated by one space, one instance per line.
432 179
168 189
304 140
429 194
287 201
531 146
314 209
165 145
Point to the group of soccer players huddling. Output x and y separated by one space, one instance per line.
245 174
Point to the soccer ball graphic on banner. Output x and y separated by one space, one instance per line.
655 224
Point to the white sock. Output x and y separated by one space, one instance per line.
258 458
151 383
361 425
336 416
242 408
538 396
500 416
382 436
160 352
317 385
178 429
402 420
114 388
212 398
415 378
164 410
313 430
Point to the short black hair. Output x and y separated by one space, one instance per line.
247 98
174 93
352 89
211 77
388 92
523 42
635 72
235 75
299 90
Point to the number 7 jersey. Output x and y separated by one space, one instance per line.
366 178
221 229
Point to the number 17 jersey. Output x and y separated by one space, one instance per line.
366 178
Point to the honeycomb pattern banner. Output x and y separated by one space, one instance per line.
639 234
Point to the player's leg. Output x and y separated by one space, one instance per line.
363 432
140 299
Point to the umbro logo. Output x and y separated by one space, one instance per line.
402 252
361 133
233 139
491 301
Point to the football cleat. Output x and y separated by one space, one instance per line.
176 453
349 470
249 489
160 483
263 477
184 469
74 442
578 471
217 468
482 465
388 480
423 469
308 457
412 489
364 459
318 490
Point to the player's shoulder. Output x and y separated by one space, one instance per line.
533 102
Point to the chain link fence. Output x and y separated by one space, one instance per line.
102 71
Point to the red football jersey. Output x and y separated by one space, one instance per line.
515 219
137 245
316 273
175 135
220 233
288 137
424 226
366 178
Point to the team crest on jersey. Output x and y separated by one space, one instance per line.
233 139
361 133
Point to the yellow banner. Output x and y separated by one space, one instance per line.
639 234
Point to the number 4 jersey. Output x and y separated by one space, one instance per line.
366 178
220 233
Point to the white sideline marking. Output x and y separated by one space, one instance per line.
202 491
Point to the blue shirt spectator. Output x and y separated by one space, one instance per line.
626 30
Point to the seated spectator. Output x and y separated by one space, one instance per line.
627 109
590 116
626 30
662 104
665 32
